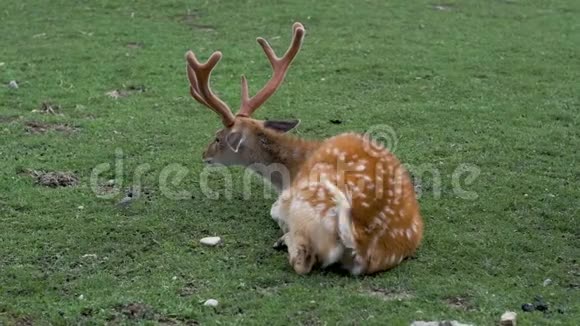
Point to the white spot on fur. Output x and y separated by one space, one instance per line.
398 190
364 203
409 234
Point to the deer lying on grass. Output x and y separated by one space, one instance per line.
343 200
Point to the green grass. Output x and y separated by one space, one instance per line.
494 84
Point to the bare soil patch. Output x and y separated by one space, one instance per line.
459 302
54 179
8 118
135 45
138 311
127 91
37 127
48 108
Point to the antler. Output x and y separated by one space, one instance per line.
199 77
279 66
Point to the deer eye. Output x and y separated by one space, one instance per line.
217 140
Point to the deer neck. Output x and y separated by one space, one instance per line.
282 157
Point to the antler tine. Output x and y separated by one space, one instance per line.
279 66
199 79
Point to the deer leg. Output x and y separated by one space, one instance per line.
280 244
300 253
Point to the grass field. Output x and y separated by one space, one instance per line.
493 85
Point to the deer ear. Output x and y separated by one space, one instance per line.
281 125
234 140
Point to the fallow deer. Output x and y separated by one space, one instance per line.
346 199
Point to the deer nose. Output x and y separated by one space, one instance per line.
208 160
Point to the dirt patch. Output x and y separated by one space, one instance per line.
24 321
127 91
135 45
54 179
8 118
37 127
48 108
389 294
107 189
190 19
188 290
139 311
136 311
459 302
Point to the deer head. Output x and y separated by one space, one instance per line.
243 140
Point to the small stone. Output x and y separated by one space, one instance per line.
174 278
81 297
89 256
210 241
81 207
13 84
527 307
211 303
508 319
547 282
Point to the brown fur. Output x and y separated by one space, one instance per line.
344 199
383 225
